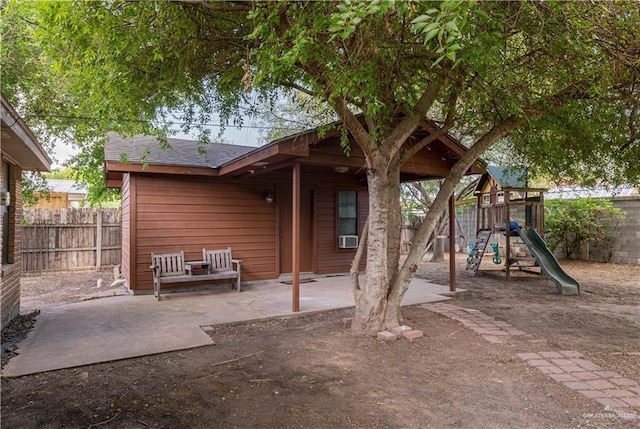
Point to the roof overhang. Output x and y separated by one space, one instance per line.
305 149
275 153
18 142
115 170
321 151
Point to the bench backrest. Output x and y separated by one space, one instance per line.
171 264
219 260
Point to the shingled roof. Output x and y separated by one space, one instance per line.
184 153
321 151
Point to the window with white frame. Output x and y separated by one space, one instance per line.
347 212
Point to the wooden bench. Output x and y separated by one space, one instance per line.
172 268
221 264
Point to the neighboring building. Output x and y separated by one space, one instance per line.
20 151
607 192
62 194
242 197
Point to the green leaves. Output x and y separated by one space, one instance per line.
91 67
445 25
350 14
576 222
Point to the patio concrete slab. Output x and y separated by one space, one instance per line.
122 327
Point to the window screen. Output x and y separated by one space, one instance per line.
347 213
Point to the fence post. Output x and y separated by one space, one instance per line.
99 239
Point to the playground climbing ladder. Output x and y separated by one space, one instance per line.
479 247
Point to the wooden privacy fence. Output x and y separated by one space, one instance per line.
70 239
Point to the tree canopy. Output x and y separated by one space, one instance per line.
560 79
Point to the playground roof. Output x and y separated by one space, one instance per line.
506 177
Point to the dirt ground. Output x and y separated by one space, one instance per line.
54 289
311 372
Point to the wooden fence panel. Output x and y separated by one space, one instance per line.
70 239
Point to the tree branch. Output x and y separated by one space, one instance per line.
400 283
354 126
577 91
408 125
298 87
470 186
355 264
235 6
426 199
448 124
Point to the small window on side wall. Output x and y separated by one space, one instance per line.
347 212
500 197
486 199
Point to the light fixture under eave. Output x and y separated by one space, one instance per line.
340 169
269 197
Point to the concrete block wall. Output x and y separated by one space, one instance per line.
467 219
625 248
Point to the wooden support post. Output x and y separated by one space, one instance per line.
295 233
541 215
99 239
507 243
452 243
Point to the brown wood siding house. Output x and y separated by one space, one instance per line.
176 199
20 150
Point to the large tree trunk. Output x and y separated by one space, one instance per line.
378 302
438 241
373 313
438 249
393 316
394 229
371 299
440 204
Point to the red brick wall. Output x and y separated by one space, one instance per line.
10 279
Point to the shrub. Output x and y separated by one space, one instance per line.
574 223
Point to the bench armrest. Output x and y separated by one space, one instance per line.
156 271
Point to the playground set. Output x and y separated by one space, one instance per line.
509 210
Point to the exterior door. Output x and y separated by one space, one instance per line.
283 197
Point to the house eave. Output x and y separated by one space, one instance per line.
19 143
279 151
115 170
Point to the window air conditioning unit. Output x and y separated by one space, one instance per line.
5 199
348 241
